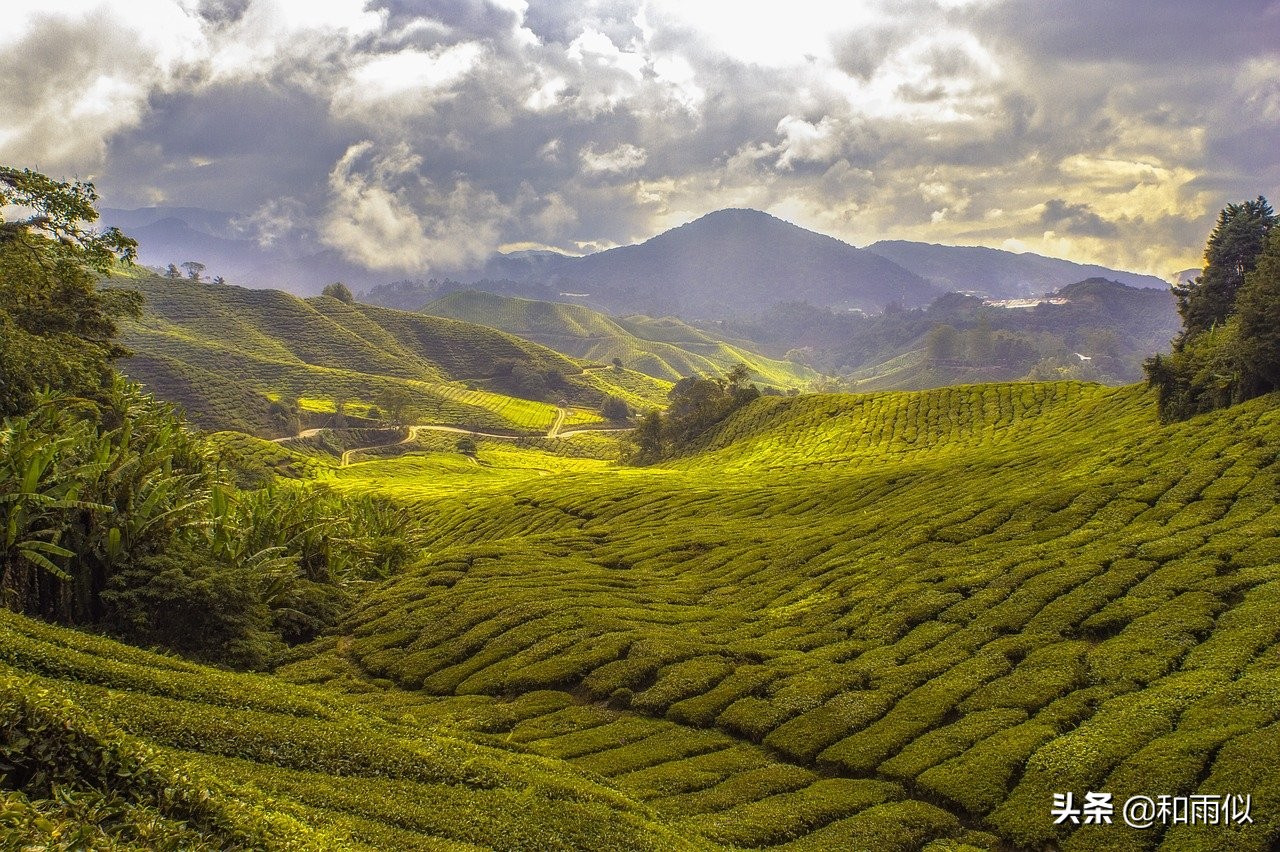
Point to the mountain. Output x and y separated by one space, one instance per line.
663 348
995 273
728 263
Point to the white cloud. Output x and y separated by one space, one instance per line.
383 215
407 82
624 158
275 32
72 74
804 141
765 33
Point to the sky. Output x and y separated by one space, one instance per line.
425 134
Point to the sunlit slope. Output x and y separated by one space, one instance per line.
221 351
152 752
955 603
663 348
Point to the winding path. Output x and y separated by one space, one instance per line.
552 433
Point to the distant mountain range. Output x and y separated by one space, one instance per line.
998 274
728 264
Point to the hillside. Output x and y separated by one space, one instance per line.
728 263
663 348
1094 329
890 621
124 749
224 353
998 274
970 599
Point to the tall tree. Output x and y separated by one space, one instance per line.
1258 315
1227 349
339 291
1231 253
194 269
57 327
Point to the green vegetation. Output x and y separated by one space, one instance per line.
663 348
1229 348
697 405
226 353
56 328
895 620
954 603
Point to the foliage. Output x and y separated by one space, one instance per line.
57 329
1227 350
615 409
338 290
696 405
118 520
1231 253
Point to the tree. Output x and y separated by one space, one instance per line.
57 327
648 442
1230 254
467 446
941 343
338 290
1227 349
615 409
172 273
1258 314
617 363
219 280
697 405
981 343
394 402
194 269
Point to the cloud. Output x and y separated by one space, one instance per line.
73 74
1077 219
407 132
624 158
383 215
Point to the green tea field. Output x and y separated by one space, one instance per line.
224 353
889 621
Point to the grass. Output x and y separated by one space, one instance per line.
881 621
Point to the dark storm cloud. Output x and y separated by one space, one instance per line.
1058 215
222 148
1176 35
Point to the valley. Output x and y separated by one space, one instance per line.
321 574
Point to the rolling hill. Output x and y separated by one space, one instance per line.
224 353
891 621
663 348
933 611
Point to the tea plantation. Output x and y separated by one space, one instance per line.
867 621
225 352
892 621
665 348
